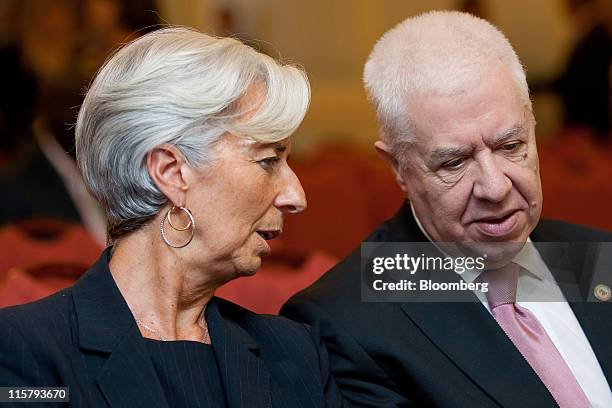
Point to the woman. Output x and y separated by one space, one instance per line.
184 140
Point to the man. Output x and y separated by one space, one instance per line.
458 131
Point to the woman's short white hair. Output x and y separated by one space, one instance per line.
177 86
439 53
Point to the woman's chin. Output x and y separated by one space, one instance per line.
249 267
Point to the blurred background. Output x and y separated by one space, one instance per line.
51 230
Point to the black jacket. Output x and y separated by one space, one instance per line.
436 354
85 338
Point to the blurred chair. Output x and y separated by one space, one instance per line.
36 241
349 193
576 179
19 286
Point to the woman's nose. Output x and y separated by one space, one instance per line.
291 198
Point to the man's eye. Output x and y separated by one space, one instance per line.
269 162
453 164
510 147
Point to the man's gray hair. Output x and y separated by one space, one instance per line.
181 87
439 53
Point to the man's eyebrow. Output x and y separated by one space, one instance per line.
448 152
510 133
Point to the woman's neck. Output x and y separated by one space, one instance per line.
160 290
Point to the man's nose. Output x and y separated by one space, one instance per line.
491 184
291 198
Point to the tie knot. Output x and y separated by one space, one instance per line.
502 285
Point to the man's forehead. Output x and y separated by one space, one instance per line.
495 90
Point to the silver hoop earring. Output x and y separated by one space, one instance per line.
190 224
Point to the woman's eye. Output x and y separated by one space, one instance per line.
269 162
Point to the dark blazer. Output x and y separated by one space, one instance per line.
435 354
85 338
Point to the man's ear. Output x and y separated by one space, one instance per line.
384 152
165 165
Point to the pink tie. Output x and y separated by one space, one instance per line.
531 340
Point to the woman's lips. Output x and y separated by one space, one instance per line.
265 247
498 227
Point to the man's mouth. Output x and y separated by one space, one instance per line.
498 225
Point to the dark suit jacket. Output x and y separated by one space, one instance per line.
85 337
434 354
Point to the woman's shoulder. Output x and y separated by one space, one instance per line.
240 315
35 336
265 328
40 311
38 321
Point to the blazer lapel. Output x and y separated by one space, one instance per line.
469 336
105 325
244 374
128 377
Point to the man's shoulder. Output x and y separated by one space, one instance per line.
561 231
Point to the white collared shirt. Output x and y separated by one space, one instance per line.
557 318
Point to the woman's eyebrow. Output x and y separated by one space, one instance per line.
278 147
